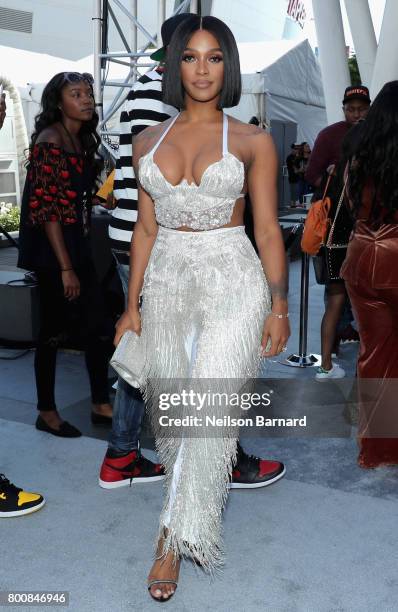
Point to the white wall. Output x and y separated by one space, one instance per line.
61 28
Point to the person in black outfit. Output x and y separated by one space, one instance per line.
3 108
335 292
302 164
292 162
54 242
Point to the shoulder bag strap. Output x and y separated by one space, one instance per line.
329 240
326 187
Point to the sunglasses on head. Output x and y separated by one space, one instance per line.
77 77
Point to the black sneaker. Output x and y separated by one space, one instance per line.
15 501
348 334
131 468
251 472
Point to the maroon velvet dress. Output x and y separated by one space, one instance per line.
370 271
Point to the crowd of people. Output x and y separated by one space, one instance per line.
297 164
354 163
204 304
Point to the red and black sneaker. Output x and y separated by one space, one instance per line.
251 472
128 469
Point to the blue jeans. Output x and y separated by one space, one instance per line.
302 188
128 408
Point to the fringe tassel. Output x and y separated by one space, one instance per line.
224 293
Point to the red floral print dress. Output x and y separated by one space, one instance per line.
57 189
53 197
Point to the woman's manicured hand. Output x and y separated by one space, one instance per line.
128 321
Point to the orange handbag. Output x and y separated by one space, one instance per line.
317 224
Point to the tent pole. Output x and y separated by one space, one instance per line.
134 38
128 31
97 21
161 19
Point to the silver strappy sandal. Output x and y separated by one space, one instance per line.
164 581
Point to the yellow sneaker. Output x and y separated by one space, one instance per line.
15 501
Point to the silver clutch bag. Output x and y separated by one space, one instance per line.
129 359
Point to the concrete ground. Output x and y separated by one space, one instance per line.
323 539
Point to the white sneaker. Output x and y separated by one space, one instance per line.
335 372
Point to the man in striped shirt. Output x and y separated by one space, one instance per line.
144 107
123 461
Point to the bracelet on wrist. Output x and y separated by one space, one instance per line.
66 269
280 316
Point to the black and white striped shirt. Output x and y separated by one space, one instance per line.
143 107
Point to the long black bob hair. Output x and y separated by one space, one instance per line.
173 90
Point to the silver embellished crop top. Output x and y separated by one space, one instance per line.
206 206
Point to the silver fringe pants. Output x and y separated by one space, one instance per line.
205 300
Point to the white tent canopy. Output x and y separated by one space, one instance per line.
288 75
30 71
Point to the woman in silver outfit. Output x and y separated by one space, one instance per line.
211 308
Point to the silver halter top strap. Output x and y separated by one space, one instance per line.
224 134
172 122
163 136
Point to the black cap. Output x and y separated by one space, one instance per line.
167 31
356 92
